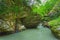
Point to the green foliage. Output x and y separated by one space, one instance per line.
55 12
18 6
3 7
15 9
54 22
44 9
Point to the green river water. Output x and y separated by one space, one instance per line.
40 33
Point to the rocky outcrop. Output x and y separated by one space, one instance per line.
31 21
6 27
56 31
7 24
17 17
10 23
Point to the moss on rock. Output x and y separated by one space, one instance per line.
55 27
56 31
31 21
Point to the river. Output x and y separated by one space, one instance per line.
41 33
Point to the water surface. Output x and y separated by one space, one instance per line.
40 33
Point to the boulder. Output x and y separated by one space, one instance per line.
31 21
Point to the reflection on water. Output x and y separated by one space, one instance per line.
40 33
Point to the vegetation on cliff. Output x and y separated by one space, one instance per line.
16 15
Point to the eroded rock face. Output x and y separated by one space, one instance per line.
18 25
5 26
31 21
16 20
56 31
10 24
